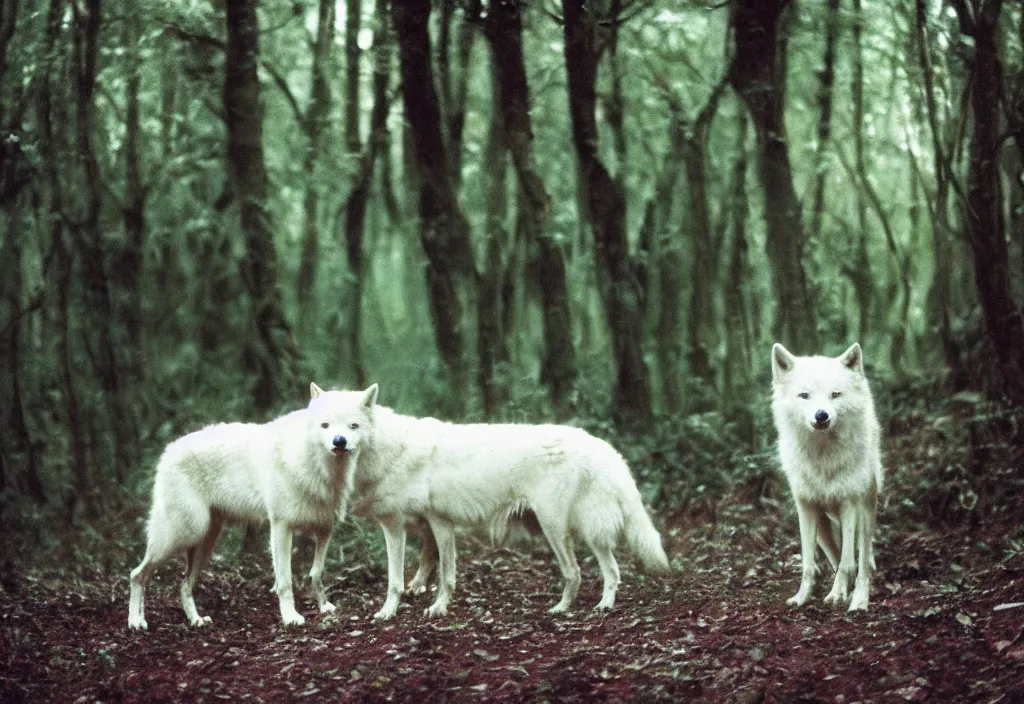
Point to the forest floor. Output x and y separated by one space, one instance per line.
716 629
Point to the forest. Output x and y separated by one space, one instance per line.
601 213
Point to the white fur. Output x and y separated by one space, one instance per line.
421 469
834 469
287 471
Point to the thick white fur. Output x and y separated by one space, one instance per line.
482 476
287 471
835 472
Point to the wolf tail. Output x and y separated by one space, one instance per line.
643 540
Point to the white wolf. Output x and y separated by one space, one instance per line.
829 447
577 487
295 471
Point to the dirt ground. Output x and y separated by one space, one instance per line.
717 629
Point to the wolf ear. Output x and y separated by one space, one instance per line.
314 390
782 361
853 358
369 398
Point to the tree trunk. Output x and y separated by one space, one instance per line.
444 231
985 224
89 238
826 79
359 196
858 264
315 123
755 75
704 263
504 30
615 105
62 268
127 270
941 230
489 313
606 207
271 355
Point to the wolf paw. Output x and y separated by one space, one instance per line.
836 597
436 610
603 608
200 621
138 624
859 601
559 608
327 608
416 588
385 613
293 619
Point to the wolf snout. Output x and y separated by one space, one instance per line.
340 443
822 419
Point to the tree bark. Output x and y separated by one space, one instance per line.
504 30
444 231
826 79
755 74
87 21
271 355
315 124
858 266
606 207
985 223
62 269
359 197
704 263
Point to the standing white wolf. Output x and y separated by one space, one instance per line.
295 471
829 447
481 475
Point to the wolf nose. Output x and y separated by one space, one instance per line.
340 442
820 417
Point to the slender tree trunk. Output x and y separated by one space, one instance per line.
859 266
755 75
271 355
89 237
29 481
62 269
315 124
826 79
504 32
489 314
359 197
606 207
615 105
444 231
985 223
353 20
941 230
704 263
127 271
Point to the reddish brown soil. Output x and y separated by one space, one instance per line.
716 629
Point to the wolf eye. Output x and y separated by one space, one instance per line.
836 394
354 426
325 425
803 394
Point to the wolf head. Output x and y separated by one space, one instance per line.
342 419
817 393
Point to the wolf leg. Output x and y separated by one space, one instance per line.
139 578
807 514
281 552
848 520
444 535
865 560
196 559
610 574
316 572
428 563
561 545
828 541
394 537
